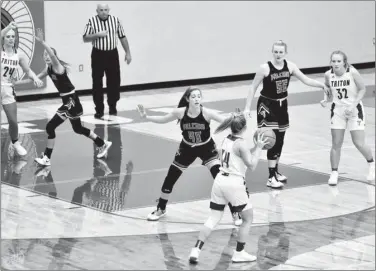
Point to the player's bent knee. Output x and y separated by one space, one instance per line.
50 131
214 219
247 214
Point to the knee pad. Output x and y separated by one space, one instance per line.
275 152
171 178
50 129
214 170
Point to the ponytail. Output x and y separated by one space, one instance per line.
236 121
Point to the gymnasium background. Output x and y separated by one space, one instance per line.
173 41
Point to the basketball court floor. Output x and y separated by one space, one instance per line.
85 213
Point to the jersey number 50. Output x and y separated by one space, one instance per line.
9 71
340 93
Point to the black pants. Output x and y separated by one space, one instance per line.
105 62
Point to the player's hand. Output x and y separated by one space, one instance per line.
141 110
13 25
38 82
247 113
39 35
128 58
324 103
261 141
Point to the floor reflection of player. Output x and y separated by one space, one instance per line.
62 249
44 182
13 166
172 262
108 190
348 227
273 248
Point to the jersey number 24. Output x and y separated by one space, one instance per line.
9 71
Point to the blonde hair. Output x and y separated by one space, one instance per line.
344 57
16 39
236 122
280 43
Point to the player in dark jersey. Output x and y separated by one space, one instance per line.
197 142
72 109
272 107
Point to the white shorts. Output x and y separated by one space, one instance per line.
8 96
229 189
338 119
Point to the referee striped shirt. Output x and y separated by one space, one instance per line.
114 27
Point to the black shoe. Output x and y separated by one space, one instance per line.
113 111
98 115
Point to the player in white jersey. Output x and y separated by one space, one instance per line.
230 186
10 60
347 90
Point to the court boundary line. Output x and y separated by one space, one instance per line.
186 222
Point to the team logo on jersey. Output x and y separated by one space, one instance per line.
53 77
263 110
70 104
177 152
359 122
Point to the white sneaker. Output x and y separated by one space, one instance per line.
333 180
43 160
237 219
281 177
371 172
103 150
242 256
274 183
19 149
156 215
195 253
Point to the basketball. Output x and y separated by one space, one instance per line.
269 135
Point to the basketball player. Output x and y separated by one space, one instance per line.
347 90
272 108
197 142
10 60
72 109
230 186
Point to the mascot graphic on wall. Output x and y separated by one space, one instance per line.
29 15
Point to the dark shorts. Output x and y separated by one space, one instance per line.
71 108
272 114
186 154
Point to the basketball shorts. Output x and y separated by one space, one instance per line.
339 120
229 188
187 154
8 95
71 108
272 114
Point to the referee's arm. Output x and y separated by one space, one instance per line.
89 34
124 42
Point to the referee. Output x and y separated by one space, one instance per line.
101 30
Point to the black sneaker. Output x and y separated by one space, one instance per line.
98 115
